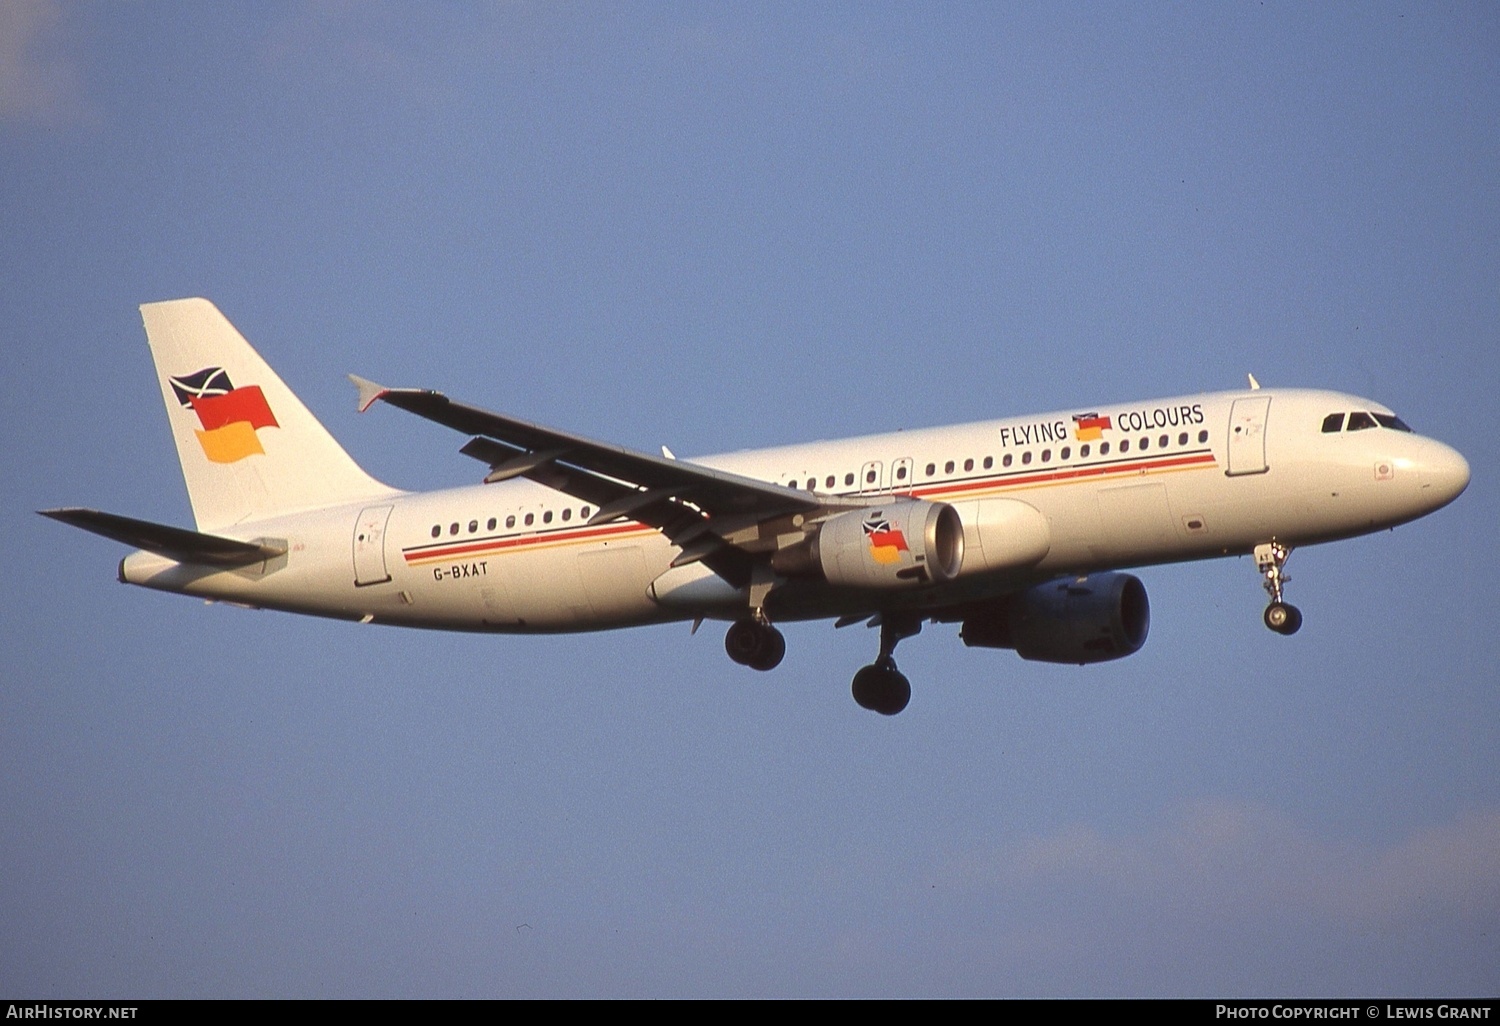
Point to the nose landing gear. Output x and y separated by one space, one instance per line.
1270 560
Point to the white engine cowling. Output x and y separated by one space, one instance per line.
1090 620
898 544
1002 534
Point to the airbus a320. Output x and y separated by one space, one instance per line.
1017 529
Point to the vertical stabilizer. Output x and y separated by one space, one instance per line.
249 449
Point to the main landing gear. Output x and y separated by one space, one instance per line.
755 643
880 687
1270 560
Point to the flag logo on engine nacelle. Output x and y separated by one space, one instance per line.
230 416
886 542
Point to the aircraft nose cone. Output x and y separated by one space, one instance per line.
1445 474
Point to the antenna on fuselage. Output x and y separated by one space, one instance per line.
1254 385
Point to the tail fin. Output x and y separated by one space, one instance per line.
249 449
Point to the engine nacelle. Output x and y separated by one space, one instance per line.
1090 620
898 544
1002 534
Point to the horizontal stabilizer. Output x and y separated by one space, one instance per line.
173 542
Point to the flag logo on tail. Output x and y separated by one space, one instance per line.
1089 426
230 416
886 542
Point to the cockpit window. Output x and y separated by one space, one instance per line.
1387 420
1333 422
1360 421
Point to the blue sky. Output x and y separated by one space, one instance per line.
716 227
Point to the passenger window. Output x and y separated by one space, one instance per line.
931 469
1009 459
473 526
510 521
1124 445
968 465
1026 457
1066 452
436 530
490 526
1360 422
584 513
1103 448
1332 423
828 482
989 461
1145 444
869 477
530 519
1083 452
1161 443
849 478
1202 437
452 528
1046 455
812 484
547 517
567 515
1182 438
948 467
901 473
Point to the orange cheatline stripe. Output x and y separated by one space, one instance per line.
418 556
475 548
1073 474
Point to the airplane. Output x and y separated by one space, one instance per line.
1016 529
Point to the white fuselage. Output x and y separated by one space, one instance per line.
1167 480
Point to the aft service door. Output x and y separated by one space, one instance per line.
369 546
1247 436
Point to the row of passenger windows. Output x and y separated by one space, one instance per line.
526 520
872 476
1361 421
902 469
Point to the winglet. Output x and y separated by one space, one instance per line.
369 392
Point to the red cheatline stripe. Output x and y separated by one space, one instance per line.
1073 474
496 544
499 544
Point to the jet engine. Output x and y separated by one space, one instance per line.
898 544
1074 620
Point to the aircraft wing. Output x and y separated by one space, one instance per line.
703 510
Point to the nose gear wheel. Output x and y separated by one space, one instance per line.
1270 560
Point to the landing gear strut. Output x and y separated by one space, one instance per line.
880 687
1270 560
755 643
